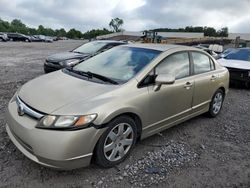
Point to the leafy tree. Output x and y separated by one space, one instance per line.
4 26
116 24
17 26
32 31
209 31
223 32
74 34
41 30
60 32
96 32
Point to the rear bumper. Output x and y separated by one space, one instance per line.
51 148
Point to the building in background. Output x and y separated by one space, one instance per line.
240 39
150 36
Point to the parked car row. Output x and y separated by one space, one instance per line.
25 38
106 100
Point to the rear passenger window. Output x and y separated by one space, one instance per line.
202 63
176 64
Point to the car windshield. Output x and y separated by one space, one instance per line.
120 63
239 54
90 47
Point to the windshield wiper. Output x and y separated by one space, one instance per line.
103 78
79 52
90 75
82 73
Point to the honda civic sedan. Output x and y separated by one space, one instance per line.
98 110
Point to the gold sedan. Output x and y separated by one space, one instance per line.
102 106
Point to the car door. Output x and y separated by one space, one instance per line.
205 80
171 102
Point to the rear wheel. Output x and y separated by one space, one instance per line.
117 142
216 103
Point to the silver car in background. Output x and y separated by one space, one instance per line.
97 110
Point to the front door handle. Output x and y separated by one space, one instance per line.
188 85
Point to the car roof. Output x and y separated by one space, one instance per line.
160 47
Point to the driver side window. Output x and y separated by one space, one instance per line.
176 64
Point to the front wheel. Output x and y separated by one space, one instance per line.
216 103
116 142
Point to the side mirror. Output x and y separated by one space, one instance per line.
163 79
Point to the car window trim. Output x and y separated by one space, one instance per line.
210 61
140 85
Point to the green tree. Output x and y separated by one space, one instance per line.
17 26
116 24
60 32
4 26
209 31
41 30
74 34
223 32
32 31
96 32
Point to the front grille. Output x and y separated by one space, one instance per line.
25 109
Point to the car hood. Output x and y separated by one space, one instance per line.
65 56
53 91
238 64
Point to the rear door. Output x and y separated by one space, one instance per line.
205 80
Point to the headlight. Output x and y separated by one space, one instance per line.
66 122
70 62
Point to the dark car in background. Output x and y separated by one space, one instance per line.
18 37
71 58
237 61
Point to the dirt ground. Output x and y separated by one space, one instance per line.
201 152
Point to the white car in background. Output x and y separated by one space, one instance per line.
238 64
3 37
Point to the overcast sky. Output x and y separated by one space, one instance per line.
137 14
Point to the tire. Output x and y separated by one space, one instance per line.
216 103
118 146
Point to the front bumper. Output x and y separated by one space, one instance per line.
50 67
51 148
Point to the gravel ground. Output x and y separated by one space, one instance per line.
201 152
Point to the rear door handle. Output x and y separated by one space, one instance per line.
213 77
188 85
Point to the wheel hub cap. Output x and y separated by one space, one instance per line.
118 142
